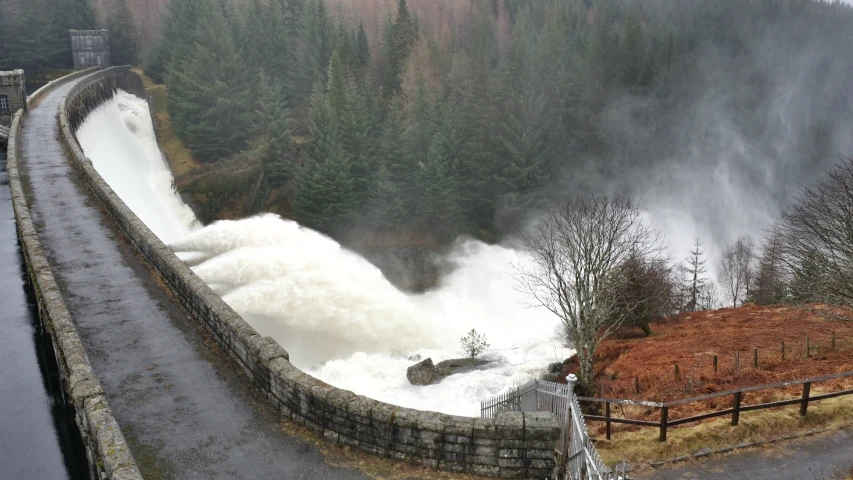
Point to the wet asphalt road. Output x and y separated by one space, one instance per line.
37 434
827 457
184 411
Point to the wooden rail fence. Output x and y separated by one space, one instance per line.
737 404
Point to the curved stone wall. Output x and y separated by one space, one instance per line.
106 449
512 445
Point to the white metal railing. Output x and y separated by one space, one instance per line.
582 461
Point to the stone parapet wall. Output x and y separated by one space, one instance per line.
512 445
106 448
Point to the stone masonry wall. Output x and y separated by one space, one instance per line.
106 449
90 48
512 445
12 86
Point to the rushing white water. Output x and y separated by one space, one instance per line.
119 139
341 320
335 313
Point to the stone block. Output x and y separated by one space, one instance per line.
541 426
484 470
512 472
512 462
509 425
484 459
483 428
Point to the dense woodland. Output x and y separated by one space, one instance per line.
433 118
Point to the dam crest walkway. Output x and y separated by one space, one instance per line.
183 408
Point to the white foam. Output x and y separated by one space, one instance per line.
119 139
335 313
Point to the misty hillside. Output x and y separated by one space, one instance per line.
439 118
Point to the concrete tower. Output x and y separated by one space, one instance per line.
91 48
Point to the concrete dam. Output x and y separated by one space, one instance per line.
167 380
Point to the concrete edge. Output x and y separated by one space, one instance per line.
34 98
505 446
106 448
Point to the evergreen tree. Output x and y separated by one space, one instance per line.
279 143
267 42
362 48
399 38
633 54
324 196
696 283
358 131
179 33
206 92
313 49
384 209
124 39
438 186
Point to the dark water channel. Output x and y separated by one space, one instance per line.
38 436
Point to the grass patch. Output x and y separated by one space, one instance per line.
642 445
178 155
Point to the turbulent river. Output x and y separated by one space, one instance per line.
335 312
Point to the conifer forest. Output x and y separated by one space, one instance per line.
435 118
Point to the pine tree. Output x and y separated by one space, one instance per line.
362 48
438 186
633 54
526 157
696 283
399 38
206 92
267 42
313 49
279 143
124 39
324 194
384 209
336 88
179 28
358 131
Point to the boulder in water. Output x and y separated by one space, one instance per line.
425 373
422 373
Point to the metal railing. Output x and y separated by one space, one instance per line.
581 459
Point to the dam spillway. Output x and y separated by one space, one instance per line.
183 408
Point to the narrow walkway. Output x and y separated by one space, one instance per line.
184 411
826 457
30 388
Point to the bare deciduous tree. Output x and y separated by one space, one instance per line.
574 250
770 285
734 272
816 241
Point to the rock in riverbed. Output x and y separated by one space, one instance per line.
426 373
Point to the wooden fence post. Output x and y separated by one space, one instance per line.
783 349
808 348
664 418
607 416
715 363
755 358
637 384
737 361
833 340
736 408
804 405
676 371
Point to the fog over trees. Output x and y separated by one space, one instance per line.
429 119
